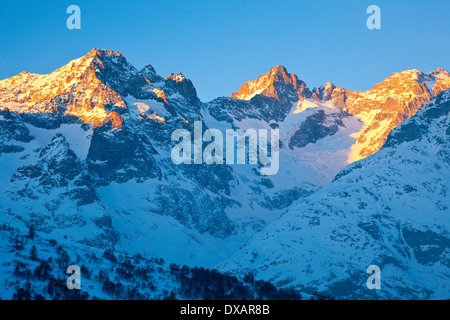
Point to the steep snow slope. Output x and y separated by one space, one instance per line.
390 209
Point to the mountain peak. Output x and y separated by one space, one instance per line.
279 70
179 77
96 57
80 88
440 73
270 84
150 73
149 68
101 52
183 86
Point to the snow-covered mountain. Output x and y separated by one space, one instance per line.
87 157
85 153
390 209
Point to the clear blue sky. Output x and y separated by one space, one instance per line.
219 44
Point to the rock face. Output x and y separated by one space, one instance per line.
390 209
274 93
85 153
315 127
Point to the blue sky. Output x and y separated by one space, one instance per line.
219 44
